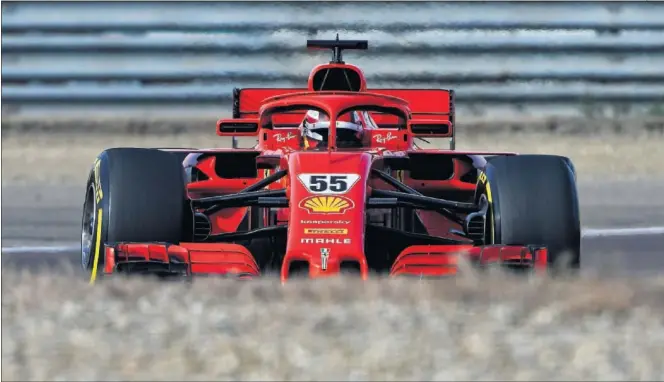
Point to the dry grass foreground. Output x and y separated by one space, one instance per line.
57 327
495 328
59 158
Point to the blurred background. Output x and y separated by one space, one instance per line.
547 65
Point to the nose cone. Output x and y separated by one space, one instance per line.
327 203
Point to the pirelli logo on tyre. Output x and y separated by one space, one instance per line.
97 181
326 231
482 177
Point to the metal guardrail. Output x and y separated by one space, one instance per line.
397 26
497 56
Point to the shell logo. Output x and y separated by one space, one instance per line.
327 204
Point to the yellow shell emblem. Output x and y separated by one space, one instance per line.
326 204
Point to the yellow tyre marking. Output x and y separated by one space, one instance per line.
93 275
400 175
488 196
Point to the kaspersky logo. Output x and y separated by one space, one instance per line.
327 204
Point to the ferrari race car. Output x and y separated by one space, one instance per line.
337 182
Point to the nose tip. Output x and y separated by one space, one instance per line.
323 269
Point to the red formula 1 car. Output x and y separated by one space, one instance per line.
337 182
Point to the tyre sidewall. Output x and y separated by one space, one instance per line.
99 180
487 185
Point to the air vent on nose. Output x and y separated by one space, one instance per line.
298 269
351 268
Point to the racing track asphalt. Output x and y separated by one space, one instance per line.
40 224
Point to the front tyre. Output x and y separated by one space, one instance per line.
132 195
533 200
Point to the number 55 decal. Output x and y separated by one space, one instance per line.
328 184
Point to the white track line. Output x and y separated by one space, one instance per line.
44 249
587 232
598 232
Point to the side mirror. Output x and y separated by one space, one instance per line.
237 127
431 128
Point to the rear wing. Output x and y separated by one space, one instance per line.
425 104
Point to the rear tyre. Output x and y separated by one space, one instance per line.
133 195
533 200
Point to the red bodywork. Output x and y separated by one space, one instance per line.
329 232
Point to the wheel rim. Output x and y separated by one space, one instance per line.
88 226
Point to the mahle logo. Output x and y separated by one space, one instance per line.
319 240
327 204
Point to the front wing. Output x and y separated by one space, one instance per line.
234 260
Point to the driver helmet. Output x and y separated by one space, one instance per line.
315 125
